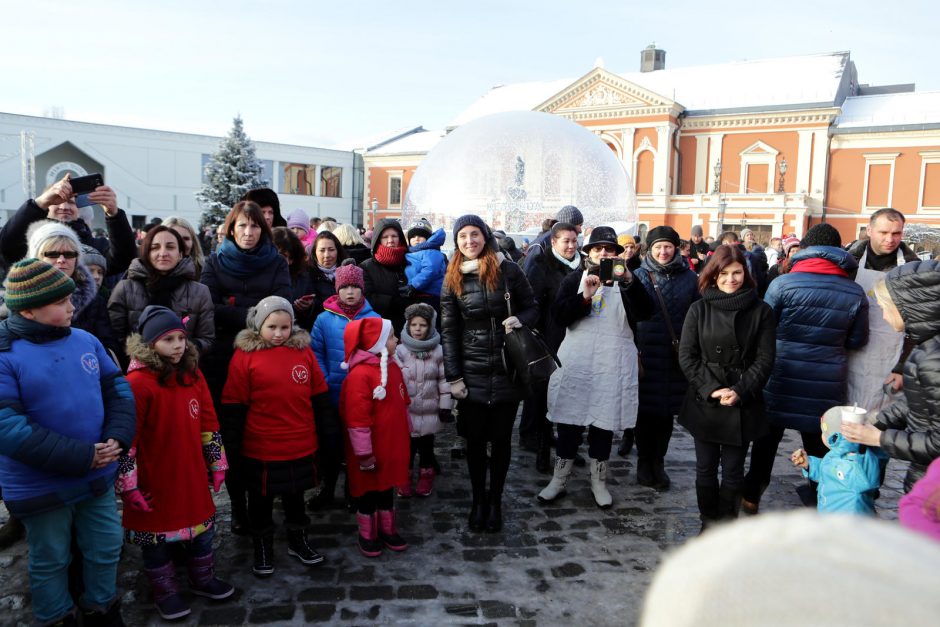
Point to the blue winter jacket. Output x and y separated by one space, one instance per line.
58 397
663 386
847 476
427 264
326 340
819 317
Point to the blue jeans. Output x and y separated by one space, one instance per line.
156 555
99 536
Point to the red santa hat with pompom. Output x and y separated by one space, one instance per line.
370 335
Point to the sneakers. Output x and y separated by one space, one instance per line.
297 546
425 482
406 491
264 555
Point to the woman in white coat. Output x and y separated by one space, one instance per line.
596 386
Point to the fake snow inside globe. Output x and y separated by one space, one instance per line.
516 169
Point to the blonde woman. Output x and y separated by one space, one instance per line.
349 237
191 241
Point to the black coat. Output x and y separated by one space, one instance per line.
383 282
545 275
472 333
727 343
119 252
311 281
359 252
911 425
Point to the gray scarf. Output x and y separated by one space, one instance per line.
421 348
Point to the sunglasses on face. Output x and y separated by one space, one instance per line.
55 254
606 249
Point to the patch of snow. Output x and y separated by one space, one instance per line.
890 110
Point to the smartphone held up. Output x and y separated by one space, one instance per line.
84 185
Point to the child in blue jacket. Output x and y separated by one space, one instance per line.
66 415
426 262
848 475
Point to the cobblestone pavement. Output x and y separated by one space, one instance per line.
562 564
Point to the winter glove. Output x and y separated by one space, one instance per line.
511 323
458 390
406 291
217 477
445 415
136 500
367 464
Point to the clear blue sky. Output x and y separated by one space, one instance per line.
321 73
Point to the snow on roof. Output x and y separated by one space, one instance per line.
809 79
416 143
377 139
890 110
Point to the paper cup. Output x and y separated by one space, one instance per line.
854 415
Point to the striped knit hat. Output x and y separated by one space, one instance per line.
32 283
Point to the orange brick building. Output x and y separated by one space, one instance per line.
775 145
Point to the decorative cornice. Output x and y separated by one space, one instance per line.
784 118
601 95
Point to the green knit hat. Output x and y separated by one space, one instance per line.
32 283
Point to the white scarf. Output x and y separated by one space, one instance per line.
573 263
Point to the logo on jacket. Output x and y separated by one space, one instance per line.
598 303
90 363
401 390
194 409
300 374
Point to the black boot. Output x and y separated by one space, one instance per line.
11 532
298 546
708 505
644 472
478 513
729 503
661 480
264 555
494 520
626 443
109 618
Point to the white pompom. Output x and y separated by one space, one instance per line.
344 365
378 393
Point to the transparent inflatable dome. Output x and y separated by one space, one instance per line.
516 169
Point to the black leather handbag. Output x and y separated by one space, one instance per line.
526 356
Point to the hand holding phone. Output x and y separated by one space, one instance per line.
83 186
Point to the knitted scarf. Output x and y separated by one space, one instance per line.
421 348
243 264
470 267
742 299
329 273
389 256
571 263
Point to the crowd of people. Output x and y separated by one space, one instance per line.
281 354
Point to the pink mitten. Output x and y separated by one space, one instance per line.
218 477
136 500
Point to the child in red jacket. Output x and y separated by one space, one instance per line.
374 406
275 389
162 479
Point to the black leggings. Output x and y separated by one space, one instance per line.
423 447
708 456
763 454
569 439
375 500
261 506
493 424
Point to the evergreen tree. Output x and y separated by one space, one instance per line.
232 171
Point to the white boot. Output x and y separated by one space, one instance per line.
599 484
556 487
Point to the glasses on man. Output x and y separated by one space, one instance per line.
606 248
55 254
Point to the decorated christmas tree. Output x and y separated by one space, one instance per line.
232 171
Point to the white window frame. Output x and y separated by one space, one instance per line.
926 157
879 158
767 156
645 146
400 175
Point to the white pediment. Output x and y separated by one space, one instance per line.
600 90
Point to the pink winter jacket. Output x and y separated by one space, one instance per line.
428 389
919 509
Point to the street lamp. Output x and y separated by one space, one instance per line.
783 172
717 176
375 208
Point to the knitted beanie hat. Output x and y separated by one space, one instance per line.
349 274
420 227
370 335
298 220
570 213
32 283
44 230
790 242
265 307
471 220
822 235
697 230
662 233
91 257
156 321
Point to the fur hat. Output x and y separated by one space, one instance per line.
44 230
662 233
91 257
32 283
349 274
156 321
298 220
420 227
370 335
422 310
822 235
471 220
265 307
570 213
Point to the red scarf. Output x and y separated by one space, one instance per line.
389 256
816 265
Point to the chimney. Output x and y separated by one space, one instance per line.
652 59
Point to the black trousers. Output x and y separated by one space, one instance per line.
423 447
570 436
709 456
763 454
652 434
261 506
491 424
371 501
534 412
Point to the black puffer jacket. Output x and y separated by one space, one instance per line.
728 341
472 333
311 281
382 282
545 275
912 424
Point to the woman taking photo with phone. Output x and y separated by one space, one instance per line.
726 353
474 323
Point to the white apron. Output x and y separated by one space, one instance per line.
871 365
597 382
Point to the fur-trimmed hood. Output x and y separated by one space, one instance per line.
143 356
250 341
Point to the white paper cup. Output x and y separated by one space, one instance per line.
854 415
